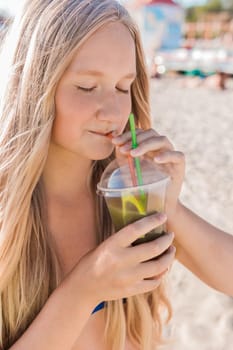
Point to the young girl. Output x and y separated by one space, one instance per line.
72 71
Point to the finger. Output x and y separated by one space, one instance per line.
152 144
154 268
147 134
126 137
162 274
132 232
146 251
170 157
125 141
146 286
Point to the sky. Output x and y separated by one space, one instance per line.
191 2
9 5
12 5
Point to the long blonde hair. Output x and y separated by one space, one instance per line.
37 50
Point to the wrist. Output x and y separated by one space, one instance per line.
75 289
174 217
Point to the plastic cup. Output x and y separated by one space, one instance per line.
128 203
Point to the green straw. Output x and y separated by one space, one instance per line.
135 145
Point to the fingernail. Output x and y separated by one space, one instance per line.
157 159
173 249
172 234
162 216
125 148
135 152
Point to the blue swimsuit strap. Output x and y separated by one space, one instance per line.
102 306
99 307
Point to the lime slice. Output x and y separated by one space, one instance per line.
133 208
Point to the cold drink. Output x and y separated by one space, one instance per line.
128 203
128 208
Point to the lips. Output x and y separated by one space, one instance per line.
102 133
99 133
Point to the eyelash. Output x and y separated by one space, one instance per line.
85 89
126 92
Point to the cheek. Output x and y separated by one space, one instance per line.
126 109
127 105
68 106
70 116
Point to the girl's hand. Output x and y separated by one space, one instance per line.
162 151
116 269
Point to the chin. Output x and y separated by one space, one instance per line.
101 155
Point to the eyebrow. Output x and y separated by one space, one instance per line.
100 74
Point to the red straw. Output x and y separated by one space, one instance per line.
130 163
131 168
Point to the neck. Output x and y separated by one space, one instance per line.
66 176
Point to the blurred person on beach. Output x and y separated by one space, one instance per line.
71 73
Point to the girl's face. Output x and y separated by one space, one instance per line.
93 96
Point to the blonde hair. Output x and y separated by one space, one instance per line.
38 49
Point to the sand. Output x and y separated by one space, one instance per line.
199 121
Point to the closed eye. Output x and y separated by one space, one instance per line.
123 91
85 89
92 89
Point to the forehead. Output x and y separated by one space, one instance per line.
110 47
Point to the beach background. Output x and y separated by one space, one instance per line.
199 122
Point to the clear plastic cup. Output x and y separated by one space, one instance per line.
128 203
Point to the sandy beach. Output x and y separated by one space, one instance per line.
199 122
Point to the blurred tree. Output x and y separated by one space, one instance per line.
194 13
213 6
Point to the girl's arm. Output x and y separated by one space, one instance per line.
60 321
204 249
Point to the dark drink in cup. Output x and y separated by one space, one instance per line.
128 203
130 208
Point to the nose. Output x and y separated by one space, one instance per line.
109 109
